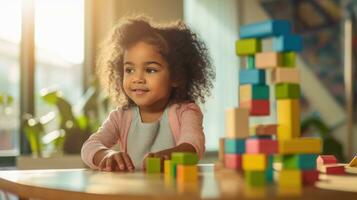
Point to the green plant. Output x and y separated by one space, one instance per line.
331 146
76 123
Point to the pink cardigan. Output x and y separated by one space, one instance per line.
185 121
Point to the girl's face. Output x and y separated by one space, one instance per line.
146 78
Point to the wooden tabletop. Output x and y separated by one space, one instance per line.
87 184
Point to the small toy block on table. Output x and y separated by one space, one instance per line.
253 92
264 129
285 75
254 178
187 173
237 122
287 91
184 158
289 178
288 59
287 43
266 60
252 76
300 146
248 47
233 161
256 107
265 29
269 172
266 146
254 162
234 146
333 169
153 165
309 177
168 168
299 161
324 160
250 62
288 118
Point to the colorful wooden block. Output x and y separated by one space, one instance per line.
252 76
269 173
237 123
287 91
300 145
266 60
248 47
324 160
253 92
233 161
167 168
221 150
256 107
254 178
289 178
309 177
266 146
254 162
187 173
265 29
250 62
287 43
153 165
266 129
333 169
184 158
288 59
173 169
234 146
285 75
299 161
288 117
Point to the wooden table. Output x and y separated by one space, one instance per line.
78 184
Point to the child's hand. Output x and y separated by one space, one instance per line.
162 157
116 161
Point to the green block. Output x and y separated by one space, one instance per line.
248 46
184 158
269 173
288 59
250 62
173 169
287 91
254 178
299 161
153 165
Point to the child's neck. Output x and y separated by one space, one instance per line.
151 114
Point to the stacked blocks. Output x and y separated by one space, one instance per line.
254 153
185 165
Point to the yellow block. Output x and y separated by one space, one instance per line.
237 123
245 93
167 168
290 178
285 75
267 60
288 114
300 146
187 173
254 162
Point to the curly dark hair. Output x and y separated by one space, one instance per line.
186 55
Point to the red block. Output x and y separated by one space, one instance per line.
309 177
324 160
266 146
256 107
333 169
233 161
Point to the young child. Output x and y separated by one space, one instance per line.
156 73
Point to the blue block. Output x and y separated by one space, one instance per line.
265 29
234 146
252 76
287 43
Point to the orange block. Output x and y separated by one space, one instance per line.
187 173
266 60
285 75
237 123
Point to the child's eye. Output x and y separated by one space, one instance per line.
151 70
129 70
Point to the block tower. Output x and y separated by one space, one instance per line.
254 149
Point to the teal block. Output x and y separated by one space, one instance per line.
252 76
153 165
287 91
269 173
254 178
260 92
234 146
184 158
287 43
299 161
250 62
265 29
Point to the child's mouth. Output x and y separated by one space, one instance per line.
139 91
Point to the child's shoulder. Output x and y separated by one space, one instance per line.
120 112
180 107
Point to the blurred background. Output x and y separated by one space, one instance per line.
50 101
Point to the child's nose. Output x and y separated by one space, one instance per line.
139 77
